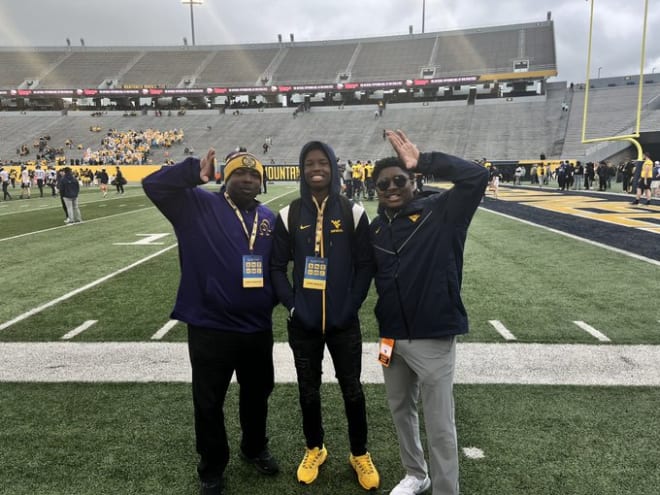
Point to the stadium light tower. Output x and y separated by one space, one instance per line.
192 18
423 14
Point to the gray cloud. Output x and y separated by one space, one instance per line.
166 22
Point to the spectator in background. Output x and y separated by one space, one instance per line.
578 176
517 175
589 175
645 179
103 181
119 181
51 180
603 172
628 172
40 176
26 182
4 179
69 190
541 173
655 183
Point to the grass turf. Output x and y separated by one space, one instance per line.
137 439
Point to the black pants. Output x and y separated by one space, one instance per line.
345 348
214 356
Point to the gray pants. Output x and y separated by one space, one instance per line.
425 367
72 210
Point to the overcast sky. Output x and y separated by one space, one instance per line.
616 42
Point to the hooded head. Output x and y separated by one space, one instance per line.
318 169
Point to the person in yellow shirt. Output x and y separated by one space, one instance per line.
644 180
358 180
369 181
541 173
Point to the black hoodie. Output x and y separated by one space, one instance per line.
348 254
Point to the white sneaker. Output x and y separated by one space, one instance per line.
411 486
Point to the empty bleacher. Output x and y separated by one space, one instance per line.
395 59
166 68
25 65
463 52
237 66
87 69
313 64
497 129
611 112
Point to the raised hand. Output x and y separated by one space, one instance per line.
405 149
207 167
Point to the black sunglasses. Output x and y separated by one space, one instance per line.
399 181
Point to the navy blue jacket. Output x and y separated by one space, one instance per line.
69 186
350 263
211 248
419 253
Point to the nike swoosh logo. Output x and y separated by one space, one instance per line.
303 227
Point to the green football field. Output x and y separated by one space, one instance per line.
119 269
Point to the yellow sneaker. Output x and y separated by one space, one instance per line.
367 473
308 470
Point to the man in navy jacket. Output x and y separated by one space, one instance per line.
418 245
226 298
332 271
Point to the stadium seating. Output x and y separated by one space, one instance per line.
465 52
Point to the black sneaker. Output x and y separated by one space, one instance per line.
634 202
265 463
211 488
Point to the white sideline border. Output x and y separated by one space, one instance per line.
476 363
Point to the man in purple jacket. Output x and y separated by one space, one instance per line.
225 297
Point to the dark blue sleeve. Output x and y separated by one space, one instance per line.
170 187
470 180
279 264
364 262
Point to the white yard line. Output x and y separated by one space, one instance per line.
578 238
78 330
592 331
63 226
516 363
473 453
164 330
502 330
69 295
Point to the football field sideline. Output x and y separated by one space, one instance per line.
477 363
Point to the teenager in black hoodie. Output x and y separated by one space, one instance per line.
328 242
